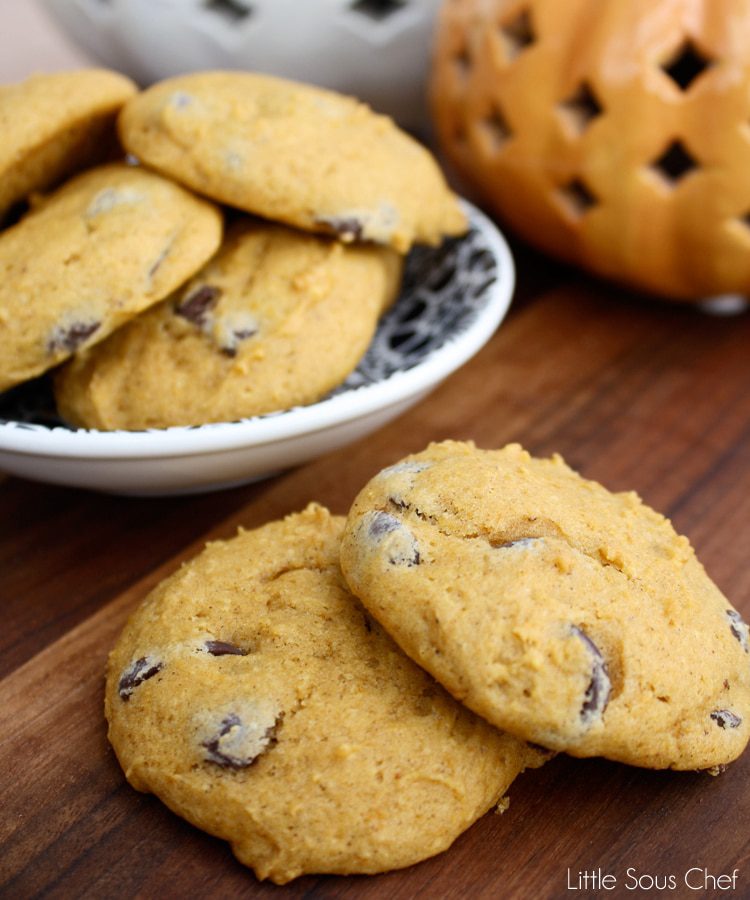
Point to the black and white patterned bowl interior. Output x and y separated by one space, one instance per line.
444 290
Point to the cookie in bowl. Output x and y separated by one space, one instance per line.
565 614
293 153
91 255
275 320
253 694
53 125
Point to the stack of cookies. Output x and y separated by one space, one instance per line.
348 695
126 276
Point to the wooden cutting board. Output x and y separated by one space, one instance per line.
635 394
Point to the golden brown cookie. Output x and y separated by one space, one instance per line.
293 153
103 247
567 615
253 694
53 125
276 319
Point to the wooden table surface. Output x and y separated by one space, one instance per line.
633 393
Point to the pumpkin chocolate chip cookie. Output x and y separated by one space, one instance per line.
254 695
562 613
277 318
293 153
100 249
55 124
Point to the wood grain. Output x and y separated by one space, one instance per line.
635 394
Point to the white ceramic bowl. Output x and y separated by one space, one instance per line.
453 299
377 50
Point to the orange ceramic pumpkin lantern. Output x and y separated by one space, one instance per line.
612 133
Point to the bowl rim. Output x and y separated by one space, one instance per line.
349 405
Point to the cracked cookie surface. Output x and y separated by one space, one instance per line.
565 614
53 125
293 153
254 695
276 319
89 257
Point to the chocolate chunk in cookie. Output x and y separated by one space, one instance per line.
239 738
599 688
140 670
197 305
223 648
392 539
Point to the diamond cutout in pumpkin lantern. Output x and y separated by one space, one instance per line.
496 128
576 198
674 164
687 64
580 109
518 34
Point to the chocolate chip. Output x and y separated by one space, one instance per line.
136 673
725 718
401 477
411 467
180 100
402 548
382 523
739 629
597 693
347 228
215 754
245 333
241 334
237 744
196 306
520 544
70 337
224 648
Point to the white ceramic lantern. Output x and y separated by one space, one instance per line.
377 50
